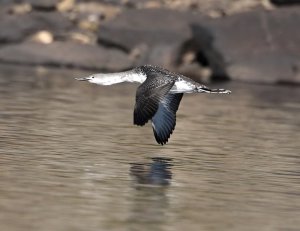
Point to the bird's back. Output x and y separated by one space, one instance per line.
161 74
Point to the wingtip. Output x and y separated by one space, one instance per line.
162 143
161 140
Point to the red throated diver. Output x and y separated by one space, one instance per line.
157 98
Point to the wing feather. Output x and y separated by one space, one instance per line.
148 96
164 120
155 102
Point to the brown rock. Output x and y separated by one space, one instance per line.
22 8
65 5
42 36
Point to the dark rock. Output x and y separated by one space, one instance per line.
165 36
260 46
202 44
61 54
257 46
158 35
149 27
43 5
4 9
284 2
165 55
15 28
6 2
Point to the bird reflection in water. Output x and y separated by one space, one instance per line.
157 172
149 199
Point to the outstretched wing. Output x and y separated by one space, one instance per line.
164 120
149 95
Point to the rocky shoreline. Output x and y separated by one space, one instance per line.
252 41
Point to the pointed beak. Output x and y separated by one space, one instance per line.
83 79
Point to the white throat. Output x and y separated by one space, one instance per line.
120 77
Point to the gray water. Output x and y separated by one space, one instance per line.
70 158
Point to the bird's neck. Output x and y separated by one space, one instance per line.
119 77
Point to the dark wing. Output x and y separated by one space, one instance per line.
164 120
148 96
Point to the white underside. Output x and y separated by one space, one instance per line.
114 78
182 86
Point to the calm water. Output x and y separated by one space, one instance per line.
70 158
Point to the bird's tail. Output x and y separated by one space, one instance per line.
207 90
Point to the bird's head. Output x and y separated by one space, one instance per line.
102 79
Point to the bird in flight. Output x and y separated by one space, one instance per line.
157 98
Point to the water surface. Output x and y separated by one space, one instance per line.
70 158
